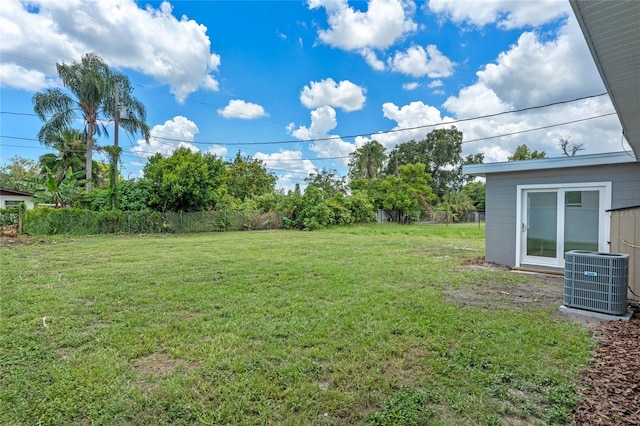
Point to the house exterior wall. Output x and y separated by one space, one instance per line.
501 198
6 200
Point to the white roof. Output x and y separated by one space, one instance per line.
549 163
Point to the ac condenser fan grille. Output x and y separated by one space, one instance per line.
596 281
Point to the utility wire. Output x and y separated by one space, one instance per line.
481 117
540 128
336 158
291 141
134 153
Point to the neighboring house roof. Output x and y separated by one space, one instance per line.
7 191
549 163
612 32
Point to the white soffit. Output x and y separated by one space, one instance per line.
612 31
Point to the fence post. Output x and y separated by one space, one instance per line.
22 208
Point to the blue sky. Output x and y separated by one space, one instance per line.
301 84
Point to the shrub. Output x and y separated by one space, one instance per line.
9 216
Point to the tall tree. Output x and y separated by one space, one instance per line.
14 173
70 148
570 149
367 161
440 152
523 152
470 159
476 191
185 181
327 181
248 177
408 194
91 84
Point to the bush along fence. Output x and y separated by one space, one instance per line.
73 221
11 219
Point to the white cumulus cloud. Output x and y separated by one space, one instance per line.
323 120
418 117
289 167
150 40
411 86
344 95
384 22
240 109
13 75
506 14
372 59
417 61
165 138
218 150
537 71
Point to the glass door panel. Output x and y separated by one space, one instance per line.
581 220
541 224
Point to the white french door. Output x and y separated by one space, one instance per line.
555 219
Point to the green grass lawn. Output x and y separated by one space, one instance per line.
343 326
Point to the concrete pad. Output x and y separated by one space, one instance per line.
599 315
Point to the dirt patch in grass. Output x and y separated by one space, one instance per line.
541 291
491 295
155 367
18 240
160 364
481 263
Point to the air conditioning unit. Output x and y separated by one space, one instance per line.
596 281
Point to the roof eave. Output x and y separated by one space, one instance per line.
549 163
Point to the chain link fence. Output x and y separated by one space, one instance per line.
72 221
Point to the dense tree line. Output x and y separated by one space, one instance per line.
186 181
414 180
419 179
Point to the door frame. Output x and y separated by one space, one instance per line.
604 218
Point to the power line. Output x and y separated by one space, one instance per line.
290 141
481 117
539 128
133 153
564 123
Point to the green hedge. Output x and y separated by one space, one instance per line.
9 216
74 221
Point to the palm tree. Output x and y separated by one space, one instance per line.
71 153
367 161
92 85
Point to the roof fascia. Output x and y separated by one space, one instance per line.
549 163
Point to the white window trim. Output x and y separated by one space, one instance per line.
604 234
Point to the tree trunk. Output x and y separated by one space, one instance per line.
89 162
